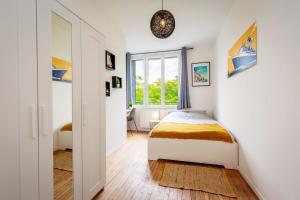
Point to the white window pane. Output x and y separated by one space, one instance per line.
171 81
140 81
154 84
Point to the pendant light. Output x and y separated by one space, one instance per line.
162 23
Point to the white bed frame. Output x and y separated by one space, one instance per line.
198 151
65 140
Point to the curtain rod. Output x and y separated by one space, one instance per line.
161 51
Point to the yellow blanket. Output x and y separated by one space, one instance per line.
191 131
67 127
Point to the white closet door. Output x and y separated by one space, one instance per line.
93 105
45 9
18 107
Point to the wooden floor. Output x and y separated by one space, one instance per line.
131 176
63 185
62 181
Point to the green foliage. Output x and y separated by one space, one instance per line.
139 91
154 92
171 88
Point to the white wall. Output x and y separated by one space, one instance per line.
62 107
92 12
61 38
116 129
261 105
201 97
144 114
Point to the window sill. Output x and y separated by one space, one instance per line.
155 106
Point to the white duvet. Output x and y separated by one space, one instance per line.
191 117
188 117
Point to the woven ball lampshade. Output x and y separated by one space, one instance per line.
162 24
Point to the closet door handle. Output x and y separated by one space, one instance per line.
33 122
43 118
84 115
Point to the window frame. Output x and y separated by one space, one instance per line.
150 56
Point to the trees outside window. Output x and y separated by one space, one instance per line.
156 80
139 81
171 81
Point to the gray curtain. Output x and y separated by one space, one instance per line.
184 97
128 80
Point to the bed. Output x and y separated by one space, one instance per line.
65 137
193 137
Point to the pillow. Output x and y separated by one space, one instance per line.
193 114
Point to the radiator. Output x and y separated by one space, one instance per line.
145 115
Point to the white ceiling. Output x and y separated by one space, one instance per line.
197 21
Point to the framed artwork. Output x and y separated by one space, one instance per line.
201 74
107 88
243 54
116 82
61 70
110 61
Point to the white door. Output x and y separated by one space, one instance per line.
93 104
18 107
44 12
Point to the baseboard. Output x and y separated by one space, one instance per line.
252 185
108 153
140 130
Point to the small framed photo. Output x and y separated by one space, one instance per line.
201 74
116 82
110 61
107 88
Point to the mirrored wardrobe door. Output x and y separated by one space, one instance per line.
59 79
62 77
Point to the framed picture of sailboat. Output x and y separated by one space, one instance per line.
61 70
243 54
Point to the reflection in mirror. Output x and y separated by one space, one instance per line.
62 107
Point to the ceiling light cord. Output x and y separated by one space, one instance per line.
162 5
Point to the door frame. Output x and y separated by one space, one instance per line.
44 38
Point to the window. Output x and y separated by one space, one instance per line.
138 65
156 79
171 81
154 82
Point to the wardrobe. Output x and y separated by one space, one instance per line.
26 140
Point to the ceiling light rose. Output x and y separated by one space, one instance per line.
162 23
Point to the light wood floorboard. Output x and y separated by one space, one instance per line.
63 179
63 185
130 176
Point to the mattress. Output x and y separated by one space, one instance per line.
191 125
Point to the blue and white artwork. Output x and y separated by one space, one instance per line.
201 74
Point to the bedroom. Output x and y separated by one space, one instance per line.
203 104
